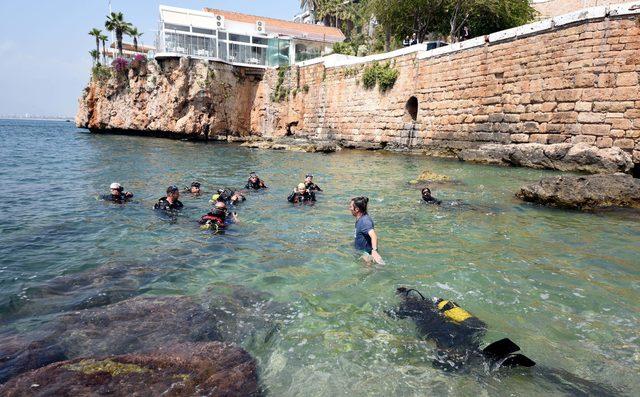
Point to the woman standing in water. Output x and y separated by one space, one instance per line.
366 238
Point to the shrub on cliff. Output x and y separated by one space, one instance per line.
384 75
138 61
120 65
280 92
101 72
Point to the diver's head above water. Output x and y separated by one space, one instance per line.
195 188
173 193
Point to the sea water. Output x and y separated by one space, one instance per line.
564 285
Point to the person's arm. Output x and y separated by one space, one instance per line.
292 197
374 245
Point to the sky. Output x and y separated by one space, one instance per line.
44 45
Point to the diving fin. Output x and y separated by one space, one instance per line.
500 349
518 360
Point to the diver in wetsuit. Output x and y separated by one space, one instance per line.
228 196
254 182
194 189
117 195
308 182
170 202
428 198
218 218
301 195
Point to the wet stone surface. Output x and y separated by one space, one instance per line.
212 369
141 324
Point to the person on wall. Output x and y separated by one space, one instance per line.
366 239
254 182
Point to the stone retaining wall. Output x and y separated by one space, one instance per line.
577 83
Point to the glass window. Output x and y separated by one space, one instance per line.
203 31
239 37
260 40
170 26
222 50
222 35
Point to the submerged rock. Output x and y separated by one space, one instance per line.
140 324
93 288
211 369
584 192
560 156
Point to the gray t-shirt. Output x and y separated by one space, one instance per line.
362 239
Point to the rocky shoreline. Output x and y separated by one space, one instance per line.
584 192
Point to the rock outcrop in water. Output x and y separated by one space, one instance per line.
560 156
181 98
211 369
140 325
584 192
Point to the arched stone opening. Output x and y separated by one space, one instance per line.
411 108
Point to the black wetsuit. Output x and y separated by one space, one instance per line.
313 187
119 198
296 197
163 204
258 184
226 197
431 200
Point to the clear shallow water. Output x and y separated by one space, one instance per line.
563 285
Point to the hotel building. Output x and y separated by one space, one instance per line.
240 39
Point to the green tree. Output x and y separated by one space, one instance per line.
133 32
103 38
95 55
96 33
115 22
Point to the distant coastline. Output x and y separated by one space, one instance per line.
38 118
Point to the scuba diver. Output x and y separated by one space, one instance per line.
170 202
308 182
218 218
428 198
228 196
301 195
117 195
254 182
458 333
195 189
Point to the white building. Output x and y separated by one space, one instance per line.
240 39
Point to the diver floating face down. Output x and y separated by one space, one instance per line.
456 332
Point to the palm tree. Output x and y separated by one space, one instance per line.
95 54
115 22
96 33
104 38
133 32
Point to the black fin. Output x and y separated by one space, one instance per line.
518 360
499 349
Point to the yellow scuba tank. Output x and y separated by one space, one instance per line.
452 311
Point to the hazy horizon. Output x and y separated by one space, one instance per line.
44 54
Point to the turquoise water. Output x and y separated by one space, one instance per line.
563 285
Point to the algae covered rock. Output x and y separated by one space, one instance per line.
188 369
584 192
428 176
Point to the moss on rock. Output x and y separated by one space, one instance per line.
114 368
